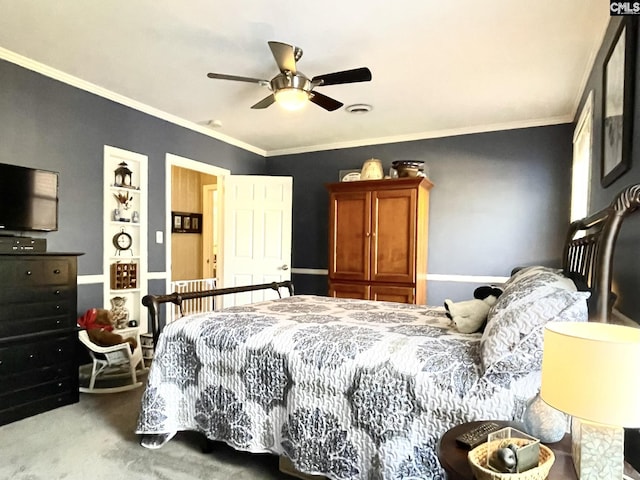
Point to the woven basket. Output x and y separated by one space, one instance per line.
478 462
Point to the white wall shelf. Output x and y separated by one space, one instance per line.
135 227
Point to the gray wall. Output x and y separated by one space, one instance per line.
47 124
500 199
491 189
627 256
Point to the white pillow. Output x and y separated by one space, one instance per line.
512 340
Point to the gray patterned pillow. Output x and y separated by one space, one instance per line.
539 275
512 339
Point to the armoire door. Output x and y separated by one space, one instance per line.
350 227
393 243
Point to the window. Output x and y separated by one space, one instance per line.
581 169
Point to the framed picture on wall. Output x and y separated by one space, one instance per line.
183 222
176 222
617 102
195 221
582 160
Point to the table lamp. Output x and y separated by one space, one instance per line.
592 372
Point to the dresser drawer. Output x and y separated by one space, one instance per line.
33 393
18 412
26 356
27 318
17 294
20 381
35 325
28 271
17 312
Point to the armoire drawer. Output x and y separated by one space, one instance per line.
26 356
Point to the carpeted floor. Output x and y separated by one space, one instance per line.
94 439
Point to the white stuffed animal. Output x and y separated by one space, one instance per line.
469 316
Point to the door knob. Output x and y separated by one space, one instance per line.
284 267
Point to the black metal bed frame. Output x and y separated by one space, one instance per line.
153 302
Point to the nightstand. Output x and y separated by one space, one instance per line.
454 459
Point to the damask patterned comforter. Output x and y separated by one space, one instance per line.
349 389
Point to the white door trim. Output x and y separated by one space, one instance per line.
183 162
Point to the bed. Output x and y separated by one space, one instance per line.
355 389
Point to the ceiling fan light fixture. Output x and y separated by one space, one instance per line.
292 89
291 98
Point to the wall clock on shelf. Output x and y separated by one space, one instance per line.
122 241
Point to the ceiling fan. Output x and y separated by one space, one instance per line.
292 88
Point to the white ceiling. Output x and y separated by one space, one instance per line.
439 67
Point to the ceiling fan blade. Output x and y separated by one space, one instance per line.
265 102
285 56
325 102
362 74
222 76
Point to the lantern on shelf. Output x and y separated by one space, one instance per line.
122 176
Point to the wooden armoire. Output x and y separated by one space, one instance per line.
378 239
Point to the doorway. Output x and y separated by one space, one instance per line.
251 218
184 254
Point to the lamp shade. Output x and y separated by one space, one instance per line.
592 371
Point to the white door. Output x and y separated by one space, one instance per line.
257 235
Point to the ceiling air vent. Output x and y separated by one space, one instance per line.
358 108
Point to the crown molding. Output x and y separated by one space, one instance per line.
542 122
76 82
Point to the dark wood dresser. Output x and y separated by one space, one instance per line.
38 334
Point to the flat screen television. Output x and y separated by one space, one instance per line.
28 199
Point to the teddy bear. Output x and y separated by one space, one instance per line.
98 322
469 316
